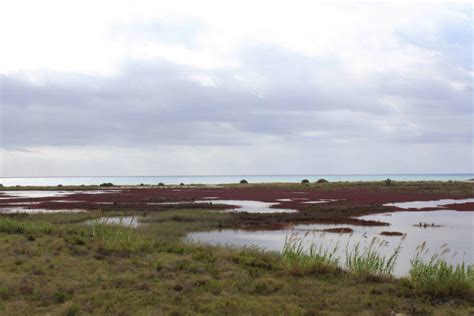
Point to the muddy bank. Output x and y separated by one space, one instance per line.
461 207
386 233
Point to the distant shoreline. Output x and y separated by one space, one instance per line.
226 179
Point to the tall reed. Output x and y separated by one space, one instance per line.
368 260
314 259
439 278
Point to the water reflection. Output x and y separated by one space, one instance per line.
250 206
127 221
27 210
43 194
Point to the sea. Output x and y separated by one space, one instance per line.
225 179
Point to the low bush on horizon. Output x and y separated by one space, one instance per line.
305 181
243 181
106 184
322 181
439 278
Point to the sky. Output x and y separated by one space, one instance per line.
91 88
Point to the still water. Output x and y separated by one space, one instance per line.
429 204
127 221
43 194
249 206
451 227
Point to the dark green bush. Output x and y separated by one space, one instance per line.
322 181
243 181
106 184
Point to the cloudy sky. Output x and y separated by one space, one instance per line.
235 87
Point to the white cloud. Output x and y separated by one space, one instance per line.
234 82
75 36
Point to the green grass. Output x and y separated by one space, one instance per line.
314 260
367 261
74 269
14 226
116 238
439 278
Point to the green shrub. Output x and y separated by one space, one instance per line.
255 258
265 286
106 184
322 181
73 310
304 181
243 181
159 266
61 297
388 182
5 293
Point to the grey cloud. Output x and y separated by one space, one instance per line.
152 103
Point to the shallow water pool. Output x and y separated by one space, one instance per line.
250 206
127 221
42 194
451 227
429 204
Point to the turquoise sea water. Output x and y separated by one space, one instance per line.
220 179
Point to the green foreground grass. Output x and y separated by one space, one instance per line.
53 264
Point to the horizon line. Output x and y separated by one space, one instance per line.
237 175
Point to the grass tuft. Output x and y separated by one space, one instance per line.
438 278
368 261
119 239
255 259
298 261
